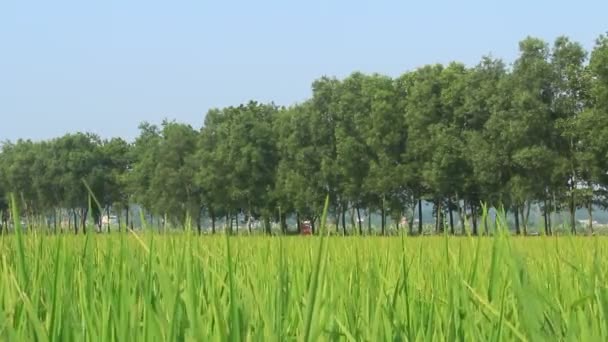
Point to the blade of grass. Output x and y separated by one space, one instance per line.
315 282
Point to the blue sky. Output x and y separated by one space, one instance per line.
106 66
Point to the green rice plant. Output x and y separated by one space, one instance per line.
149 286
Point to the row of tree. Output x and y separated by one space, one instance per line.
534 133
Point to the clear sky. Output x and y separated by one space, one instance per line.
105 66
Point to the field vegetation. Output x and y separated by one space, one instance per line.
184 287
468 140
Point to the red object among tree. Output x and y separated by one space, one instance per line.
305 228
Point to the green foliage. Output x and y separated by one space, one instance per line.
164 180
237 159
179 287
527 136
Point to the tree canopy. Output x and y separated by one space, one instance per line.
511 137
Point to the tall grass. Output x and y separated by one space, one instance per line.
131 287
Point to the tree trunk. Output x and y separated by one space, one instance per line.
127 222
249 221
298 222
410 220
199 227
572 210
486 229
85 212
383 219
55 220
212 214
590 210
441 217
267 227
549 220
397 221
420 216
517 230
236 222
352 219
344 219
437 214
369 222
119 218
545 217
462 212
108 215
474 219
359 221
337 216
284 224
452 231
312 225
281 222
75 221
523 220
526 217
554 206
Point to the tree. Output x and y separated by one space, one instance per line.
213 172
78 158
25 166
449 169
164 179
17 161
519 129
408 156
299 186
480 181
590 127
245 155
424 119
389 178
116 164
353 154
569 98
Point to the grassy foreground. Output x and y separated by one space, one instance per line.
123 287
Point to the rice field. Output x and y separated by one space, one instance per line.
184 287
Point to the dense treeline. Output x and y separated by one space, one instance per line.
534 133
